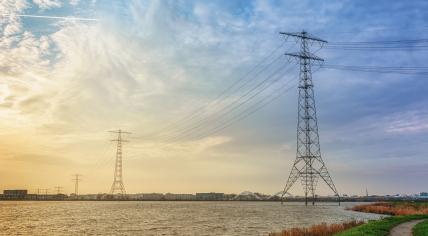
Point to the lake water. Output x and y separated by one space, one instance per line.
165 218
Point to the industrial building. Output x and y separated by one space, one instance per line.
210 196
19 194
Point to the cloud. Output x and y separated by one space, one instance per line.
414 121
74 2
55 17
47 4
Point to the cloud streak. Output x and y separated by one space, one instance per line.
68 18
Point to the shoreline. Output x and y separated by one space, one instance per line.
302 200
394 213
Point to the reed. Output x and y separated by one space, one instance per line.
319 229
395 209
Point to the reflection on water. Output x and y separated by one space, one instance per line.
165 218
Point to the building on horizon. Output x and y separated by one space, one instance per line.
179 197
210 196
152 196
15 194
22 194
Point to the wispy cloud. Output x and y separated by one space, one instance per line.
415 121
68 18
47 4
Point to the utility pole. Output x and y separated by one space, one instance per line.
58 189
45 196
117 185
38 194
308 165
76 180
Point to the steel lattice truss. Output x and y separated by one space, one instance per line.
117 186
308 166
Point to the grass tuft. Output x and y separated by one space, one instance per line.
318 230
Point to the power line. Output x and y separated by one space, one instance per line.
232 106
403 44
203 119
381 69
403 41
382 48
378 28
221 97
252 109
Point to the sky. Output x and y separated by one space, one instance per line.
70 71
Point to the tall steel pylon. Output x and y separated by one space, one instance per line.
76 180
308 165
117 185
58 189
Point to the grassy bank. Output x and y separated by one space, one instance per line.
394 208
421 229
379 227
318 230
400 212
357 228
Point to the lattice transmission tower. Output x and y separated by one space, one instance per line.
76 180
117 186
308 165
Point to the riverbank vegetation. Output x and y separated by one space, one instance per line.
394 208
380 227
399 212
319 230
421 229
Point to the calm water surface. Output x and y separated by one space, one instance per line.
165 218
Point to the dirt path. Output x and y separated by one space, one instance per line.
404 229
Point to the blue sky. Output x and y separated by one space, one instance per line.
141 65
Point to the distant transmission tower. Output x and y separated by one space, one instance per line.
76 180
117 185
58 189
308 166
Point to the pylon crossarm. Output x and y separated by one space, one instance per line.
304 35
307 56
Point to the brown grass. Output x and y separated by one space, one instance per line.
318 230
394 209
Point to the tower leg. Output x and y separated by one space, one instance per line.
306 199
